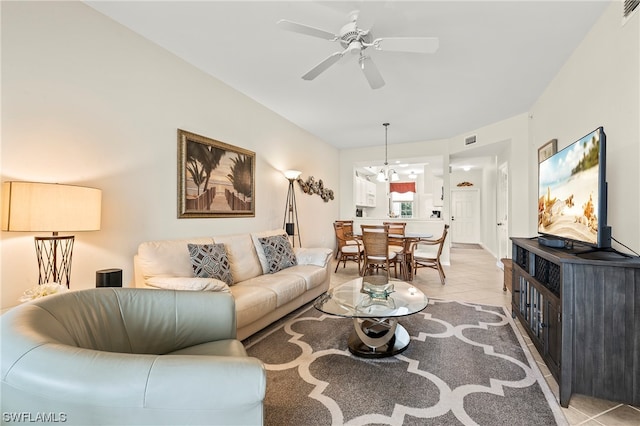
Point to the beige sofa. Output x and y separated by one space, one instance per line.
128 356
261 297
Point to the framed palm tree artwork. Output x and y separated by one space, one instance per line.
215 179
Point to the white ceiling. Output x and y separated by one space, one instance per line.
494 61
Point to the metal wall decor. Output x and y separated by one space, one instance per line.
311 186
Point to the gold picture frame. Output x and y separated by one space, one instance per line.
215 179
547 150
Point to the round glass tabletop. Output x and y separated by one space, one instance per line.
372 297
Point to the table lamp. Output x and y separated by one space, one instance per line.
50 207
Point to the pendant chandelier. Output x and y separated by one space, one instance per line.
385 174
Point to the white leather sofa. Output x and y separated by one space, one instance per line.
126 356
261 297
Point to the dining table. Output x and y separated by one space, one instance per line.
404 243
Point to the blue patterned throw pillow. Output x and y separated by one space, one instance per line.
278 252
210 261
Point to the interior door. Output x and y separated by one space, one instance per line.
465 215
502 212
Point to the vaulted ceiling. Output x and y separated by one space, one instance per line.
494 59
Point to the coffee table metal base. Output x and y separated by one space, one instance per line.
378 338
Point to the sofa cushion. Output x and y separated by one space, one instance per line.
169 258
312 275
259 250
210 261
278 252
242 256
285 287
188 283
252 303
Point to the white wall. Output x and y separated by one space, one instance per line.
511 133
86 101
599 86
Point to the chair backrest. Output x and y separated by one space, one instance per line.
375 239
343 234
347 226
445 231
439 243
127 320
396 228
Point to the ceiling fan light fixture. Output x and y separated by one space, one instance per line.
355 47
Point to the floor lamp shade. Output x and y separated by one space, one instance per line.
50 207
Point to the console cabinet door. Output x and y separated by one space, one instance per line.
552 334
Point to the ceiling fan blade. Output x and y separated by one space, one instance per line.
306 29
408 44
322 66
371 72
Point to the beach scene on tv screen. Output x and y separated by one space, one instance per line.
568 191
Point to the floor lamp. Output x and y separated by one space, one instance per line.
50 207
290 221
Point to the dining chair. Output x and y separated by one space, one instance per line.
396 232
396 228
426 254
348 247
348 233
397 239
377 252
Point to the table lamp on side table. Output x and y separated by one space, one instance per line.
50 207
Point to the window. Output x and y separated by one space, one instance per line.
402 204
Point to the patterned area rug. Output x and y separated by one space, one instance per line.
465 366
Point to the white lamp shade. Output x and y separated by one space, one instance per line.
40 207
292 174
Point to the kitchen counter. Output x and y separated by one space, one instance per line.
424 226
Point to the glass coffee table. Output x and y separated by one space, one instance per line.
374 304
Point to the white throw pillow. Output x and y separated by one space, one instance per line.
188 283
313 256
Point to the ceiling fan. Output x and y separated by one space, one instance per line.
355 41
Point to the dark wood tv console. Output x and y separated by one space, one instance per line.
583 315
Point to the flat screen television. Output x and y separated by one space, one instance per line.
572 194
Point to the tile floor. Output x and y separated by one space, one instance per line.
474 277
